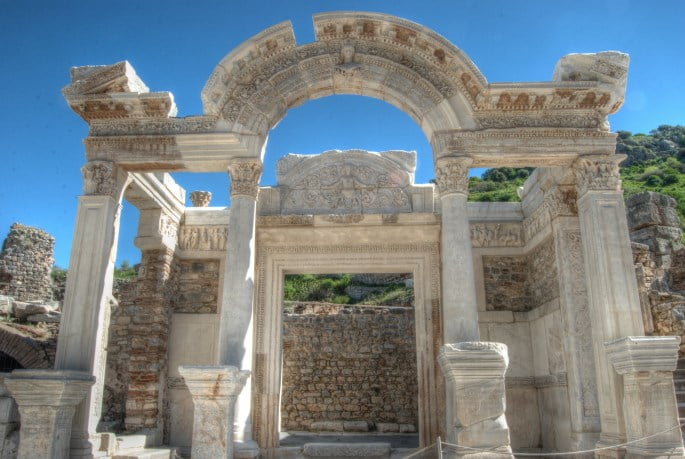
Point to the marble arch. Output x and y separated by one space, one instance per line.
579 369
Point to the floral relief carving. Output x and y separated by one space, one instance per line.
99 178
245 177
451 175
598 173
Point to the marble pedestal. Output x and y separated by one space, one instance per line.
649 403
47 401
214 390
475 398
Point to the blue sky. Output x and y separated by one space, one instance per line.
174 45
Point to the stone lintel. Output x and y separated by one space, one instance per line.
643 353
48 387
213 382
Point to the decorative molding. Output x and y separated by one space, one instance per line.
452 175
244 175
155 127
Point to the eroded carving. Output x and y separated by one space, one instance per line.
99 177
208 238
598 173
496 235
452 175
245 175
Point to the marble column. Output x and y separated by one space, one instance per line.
235 323
85 318
649 403
47 400
459 309
475 398
214 390
612 289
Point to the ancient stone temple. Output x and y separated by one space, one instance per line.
527 327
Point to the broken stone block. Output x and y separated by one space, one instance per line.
6 304
387 427
22 310
327 426
355 426
50 317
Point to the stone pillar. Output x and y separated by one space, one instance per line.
214 390
85 318
47 400
575 323
475 398
649 403
459 308
235 323
612 289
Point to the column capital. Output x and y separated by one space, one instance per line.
473 360
245 173
452 175
632 354
101 178
597 172
213 382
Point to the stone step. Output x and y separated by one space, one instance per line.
345 450
146 453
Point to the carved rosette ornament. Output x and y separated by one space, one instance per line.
245 175
99 178
452 175
600 173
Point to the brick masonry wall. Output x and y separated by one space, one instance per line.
26 260
348 363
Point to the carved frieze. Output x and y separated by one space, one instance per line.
452 175
245 175
496 235
598 173
154 126
204 238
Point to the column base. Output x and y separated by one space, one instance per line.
214 390
475 395
47 401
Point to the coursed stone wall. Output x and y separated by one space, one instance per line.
348 363
197 283
25 264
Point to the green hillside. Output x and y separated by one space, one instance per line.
655 162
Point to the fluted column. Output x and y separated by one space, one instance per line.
235 326
85 319
612 290
459 309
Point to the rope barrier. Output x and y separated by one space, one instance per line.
457 447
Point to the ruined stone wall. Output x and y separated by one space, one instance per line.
197 282
25 264
348 363
659 259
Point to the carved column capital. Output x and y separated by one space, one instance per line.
157 230
245 175
597 172
452 175
100 178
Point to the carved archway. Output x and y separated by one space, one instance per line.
368 54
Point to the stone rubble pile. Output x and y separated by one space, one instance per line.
30 311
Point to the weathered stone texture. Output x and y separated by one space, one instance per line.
197 282
25 264
348 363
544 285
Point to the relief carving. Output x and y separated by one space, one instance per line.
496 235
451 175
598 173
99 178
207 238
245 175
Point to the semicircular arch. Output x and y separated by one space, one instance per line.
25 350
369 54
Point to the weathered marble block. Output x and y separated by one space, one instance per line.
47 401
475 397
649 404
214 390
